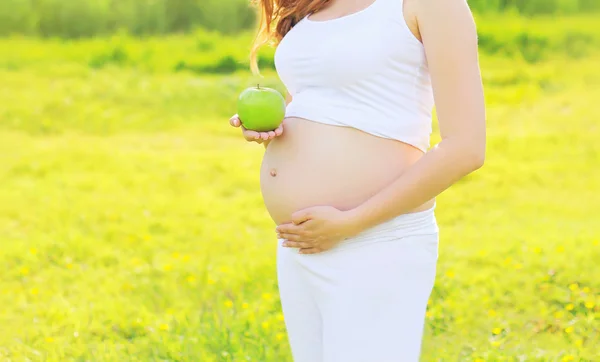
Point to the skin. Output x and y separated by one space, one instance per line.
448 32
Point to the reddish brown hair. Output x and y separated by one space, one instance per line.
277 17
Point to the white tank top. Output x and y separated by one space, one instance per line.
365 70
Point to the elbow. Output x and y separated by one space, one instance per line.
471 155
474 157
478 161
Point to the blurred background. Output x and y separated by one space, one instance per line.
131 219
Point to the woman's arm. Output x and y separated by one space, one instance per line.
448 31
288 99
450 39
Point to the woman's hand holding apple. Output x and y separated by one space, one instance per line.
260 114
254 136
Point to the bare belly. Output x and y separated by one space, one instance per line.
314 164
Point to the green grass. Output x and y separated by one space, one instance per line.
84 18
132 225
530 40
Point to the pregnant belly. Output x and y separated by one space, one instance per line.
314 164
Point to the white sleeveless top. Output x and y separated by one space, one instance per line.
365 70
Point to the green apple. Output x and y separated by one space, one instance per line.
261 109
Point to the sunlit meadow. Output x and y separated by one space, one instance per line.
132 226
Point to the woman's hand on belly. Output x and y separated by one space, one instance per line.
317 229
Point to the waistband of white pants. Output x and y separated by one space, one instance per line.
410 224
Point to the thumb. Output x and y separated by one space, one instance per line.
301 216
235 121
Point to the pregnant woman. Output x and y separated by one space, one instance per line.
350 178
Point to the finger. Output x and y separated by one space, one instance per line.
290 229
235 121
301 216
264 135
296 238
272 134
310 251
279 130
297 244
251 135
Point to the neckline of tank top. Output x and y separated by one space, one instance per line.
373 5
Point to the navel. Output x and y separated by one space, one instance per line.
273 172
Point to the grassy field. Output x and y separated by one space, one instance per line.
132 226
203 52
83 18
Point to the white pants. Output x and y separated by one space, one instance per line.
365 299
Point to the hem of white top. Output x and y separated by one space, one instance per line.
419 144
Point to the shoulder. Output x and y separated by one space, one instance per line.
438 8
446 18
438 15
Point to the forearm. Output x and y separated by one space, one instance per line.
437 170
